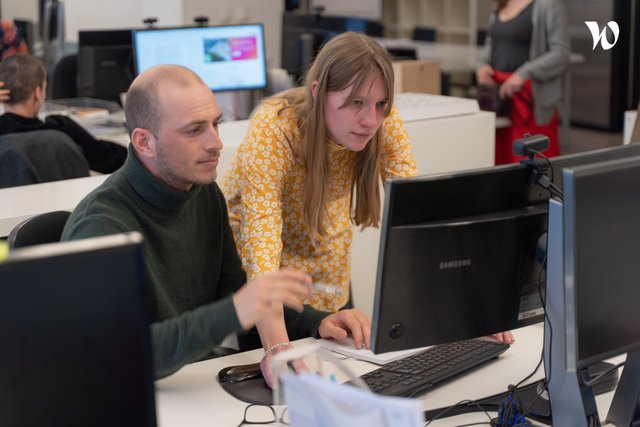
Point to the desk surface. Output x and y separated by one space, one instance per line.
20 203
193 396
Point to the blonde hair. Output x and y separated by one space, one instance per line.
349 59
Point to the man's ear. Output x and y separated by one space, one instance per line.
314 89
39 93
144 143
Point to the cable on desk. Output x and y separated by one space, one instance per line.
462 402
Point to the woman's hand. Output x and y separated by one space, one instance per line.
344 322
512 85
505 337
484 75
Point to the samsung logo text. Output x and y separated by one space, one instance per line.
458 263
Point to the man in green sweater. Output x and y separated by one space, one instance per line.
166 190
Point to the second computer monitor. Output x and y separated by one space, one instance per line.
458 258
226 57
105 63
460 254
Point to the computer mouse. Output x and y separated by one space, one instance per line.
234 374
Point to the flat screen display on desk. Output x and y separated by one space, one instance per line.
225 57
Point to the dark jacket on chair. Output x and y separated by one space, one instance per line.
39 156
103 156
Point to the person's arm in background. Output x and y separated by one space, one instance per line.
484 71
103 156
5 94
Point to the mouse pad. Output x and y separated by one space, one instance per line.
253 390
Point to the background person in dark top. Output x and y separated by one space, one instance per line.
25 77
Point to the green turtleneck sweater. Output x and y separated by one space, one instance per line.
191 259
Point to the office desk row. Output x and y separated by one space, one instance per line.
193 397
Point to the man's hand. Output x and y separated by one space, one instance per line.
484 75
512 85
264 296
344 322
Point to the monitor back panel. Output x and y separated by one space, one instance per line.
75 340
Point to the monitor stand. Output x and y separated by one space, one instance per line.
625 407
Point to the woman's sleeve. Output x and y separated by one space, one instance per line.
553 62
397 155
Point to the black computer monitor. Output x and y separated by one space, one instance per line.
303 34
75 335
230 57
458 256
105 63
594 290
602 231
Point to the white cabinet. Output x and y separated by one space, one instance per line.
455 21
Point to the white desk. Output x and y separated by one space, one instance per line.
20 203
192 397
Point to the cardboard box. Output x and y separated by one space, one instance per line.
417 76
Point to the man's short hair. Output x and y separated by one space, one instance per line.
141 107
21 74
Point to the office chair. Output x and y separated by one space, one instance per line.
427 34
64 80
39 156
42 228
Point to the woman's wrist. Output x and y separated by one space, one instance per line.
277 348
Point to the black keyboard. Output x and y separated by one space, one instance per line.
423 370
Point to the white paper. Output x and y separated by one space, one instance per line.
314 401
348 348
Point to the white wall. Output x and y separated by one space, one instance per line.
92 15
112 14
371 9
12 9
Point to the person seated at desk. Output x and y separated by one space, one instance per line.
24 77
166 190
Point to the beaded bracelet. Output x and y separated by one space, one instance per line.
273 347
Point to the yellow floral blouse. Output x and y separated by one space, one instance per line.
262 188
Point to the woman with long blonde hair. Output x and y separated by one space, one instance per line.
311 165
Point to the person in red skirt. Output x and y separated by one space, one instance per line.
526 54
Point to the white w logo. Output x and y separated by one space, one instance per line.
602 36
